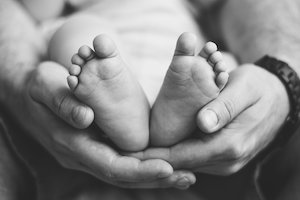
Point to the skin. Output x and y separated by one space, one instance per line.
35 94
228 150
42 10
247 109
106 84
188 80
15 182
257 45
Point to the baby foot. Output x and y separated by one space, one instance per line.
190 83
101 80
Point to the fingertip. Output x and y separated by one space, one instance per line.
166 172
207 120
185 179
82 116
161 168
184 187
192 179
158 168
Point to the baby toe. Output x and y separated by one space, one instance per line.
72 82
85 53
74 70
77 60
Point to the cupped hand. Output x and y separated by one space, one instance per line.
45 97
236 126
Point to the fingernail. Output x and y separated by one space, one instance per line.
183 182
183 187
210 119
164 174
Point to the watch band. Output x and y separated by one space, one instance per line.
291 82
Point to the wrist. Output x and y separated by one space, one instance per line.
291 58
279 92
291 82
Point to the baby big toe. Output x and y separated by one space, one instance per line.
186 45
104 47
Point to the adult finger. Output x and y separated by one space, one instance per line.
216 155
237 96
179 179
102 161
183 155
49 87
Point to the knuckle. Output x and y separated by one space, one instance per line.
111 176
58 102
63 161
232 169
72 165
229 108
235 153
66 154
64 144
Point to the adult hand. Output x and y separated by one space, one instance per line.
242 121
80 149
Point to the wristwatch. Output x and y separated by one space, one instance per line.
291 82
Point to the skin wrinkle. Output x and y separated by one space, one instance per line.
246 158
46 120
230 105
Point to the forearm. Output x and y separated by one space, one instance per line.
20 50
253 28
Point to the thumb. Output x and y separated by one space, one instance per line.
237 96
49 87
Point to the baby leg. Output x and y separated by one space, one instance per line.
100 79
190 83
